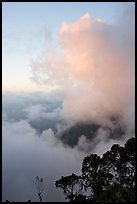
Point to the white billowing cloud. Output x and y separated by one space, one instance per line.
94 68
39 111
86 16
48 136
26 155
84 144
55 114
35 112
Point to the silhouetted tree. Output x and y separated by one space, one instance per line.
40 187
107 179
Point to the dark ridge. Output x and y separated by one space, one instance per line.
71 136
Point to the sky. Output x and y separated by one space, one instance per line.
30 28
68 89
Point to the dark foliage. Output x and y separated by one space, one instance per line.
107 179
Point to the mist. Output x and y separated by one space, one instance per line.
35 145
26 155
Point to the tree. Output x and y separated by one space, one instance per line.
71 186
107 179
40 187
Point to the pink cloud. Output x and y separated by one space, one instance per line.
92 70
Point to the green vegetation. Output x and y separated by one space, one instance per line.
107 179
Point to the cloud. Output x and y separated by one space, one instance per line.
26 155
38 112
41 110
94 68
92 108
35 112
84 144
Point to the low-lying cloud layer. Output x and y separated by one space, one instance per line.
38 146
26 155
